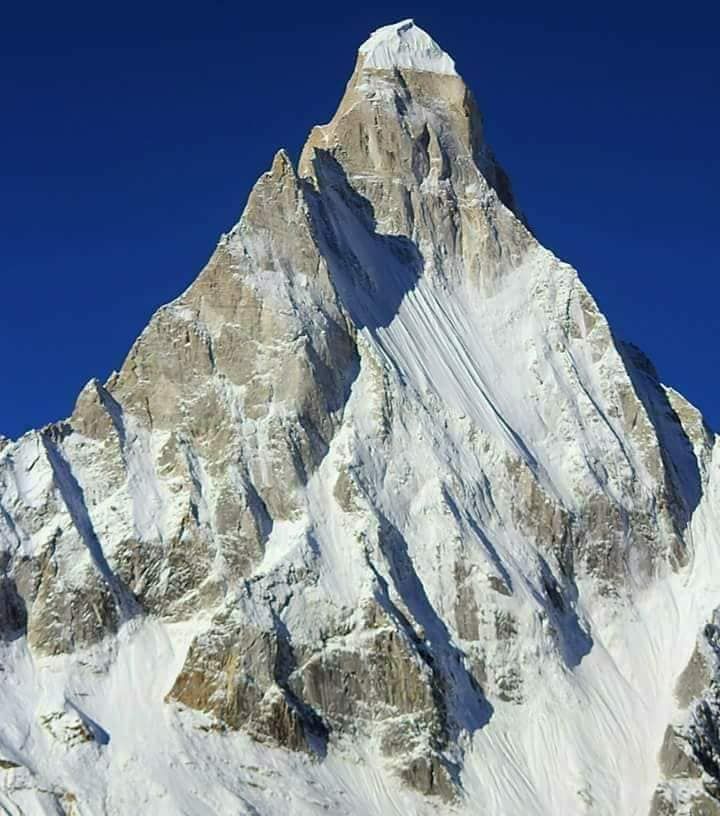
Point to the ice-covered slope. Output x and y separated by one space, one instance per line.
378 517
405 45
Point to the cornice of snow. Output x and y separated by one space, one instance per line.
406 45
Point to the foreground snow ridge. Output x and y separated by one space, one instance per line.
378 517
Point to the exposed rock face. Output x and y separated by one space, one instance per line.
379 499
690 755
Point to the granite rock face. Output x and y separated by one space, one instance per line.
380 503
690 754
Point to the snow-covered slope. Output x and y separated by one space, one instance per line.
405 45
377 517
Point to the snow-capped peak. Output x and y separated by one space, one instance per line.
406 45
376 517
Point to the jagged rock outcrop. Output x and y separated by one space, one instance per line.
379 504
690 754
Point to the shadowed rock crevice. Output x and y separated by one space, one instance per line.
74 499
468 709
315 730
682 472
557 598
13 610
241 674
463 519
441 733
559 602
371 272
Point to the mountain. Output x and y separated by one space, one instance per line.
378 517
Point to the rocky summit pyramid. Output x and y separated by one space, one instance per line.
378 517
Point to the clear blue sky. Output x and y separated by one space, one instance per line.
132 133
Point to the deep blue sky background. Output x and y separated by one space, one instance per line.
131 134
